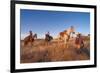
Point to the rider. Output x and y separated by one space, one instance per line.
47 34
31 34
48 37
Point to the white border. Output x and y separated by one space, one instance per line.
51 64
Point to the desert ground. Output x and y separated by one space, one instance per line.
55 50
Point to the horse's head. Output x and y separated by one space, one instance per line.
35 35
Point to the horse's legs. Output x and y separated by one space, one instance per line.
45 43
66 45
32 42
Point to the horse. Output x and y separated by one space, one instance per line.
48 38
30 39
66 34
79 42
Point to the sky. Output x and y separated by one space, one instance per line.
42 21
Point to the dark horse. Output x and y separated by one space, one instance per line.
30 38
48 38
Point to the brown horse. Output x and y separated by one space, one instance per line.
30 38
79 42
66 35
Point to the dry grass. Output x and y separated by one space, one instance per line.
54 51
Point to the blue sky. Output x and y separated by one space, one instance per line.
42 21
